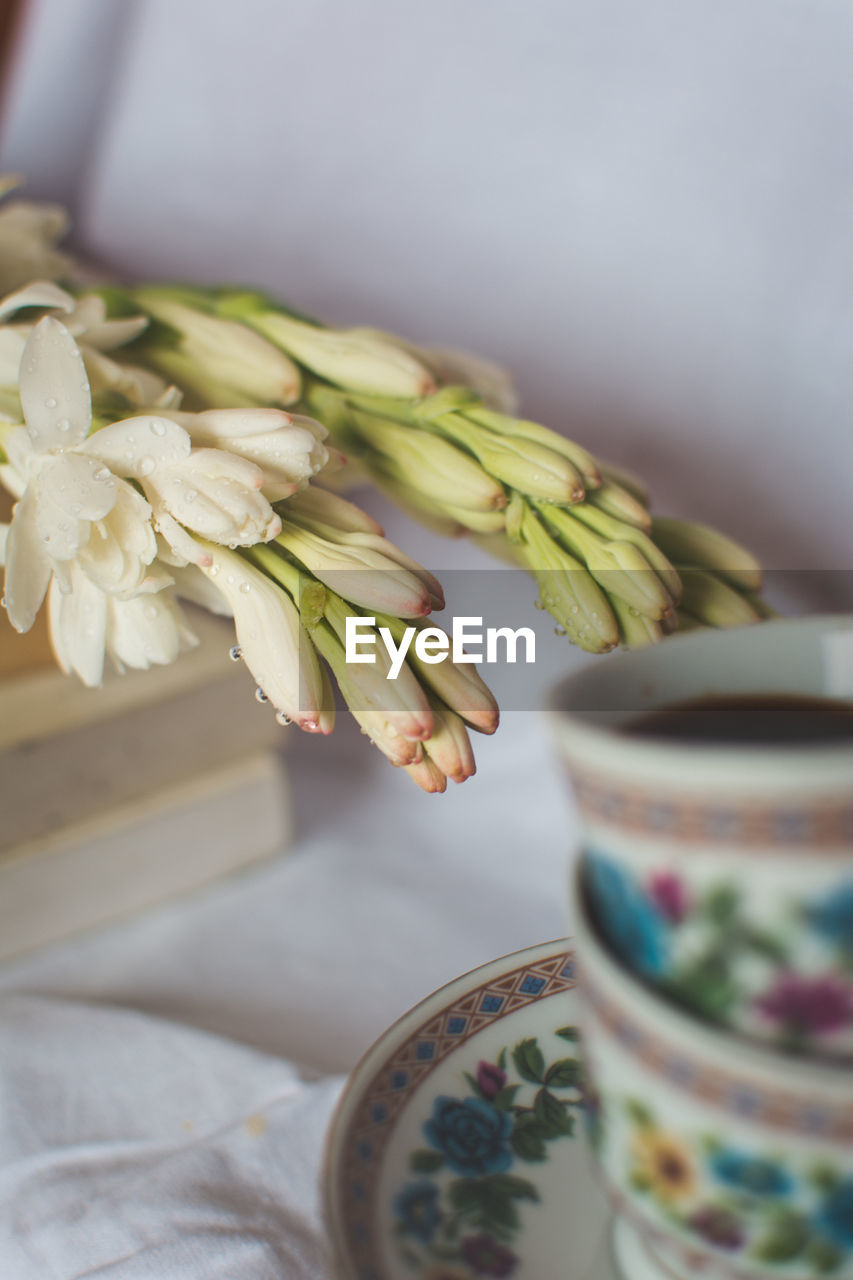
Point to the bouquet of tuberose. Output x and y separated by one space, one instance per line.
166 443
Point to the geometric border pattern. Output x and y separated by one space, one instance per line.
754 824
372 1124
774 1108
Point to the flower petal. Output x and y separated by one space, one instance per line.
78 623
138 446
275 646
13 340
54 388
122 545
82 487
182 544
27 565
39 294
147 630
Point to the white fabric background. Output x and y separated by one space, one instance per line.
645 211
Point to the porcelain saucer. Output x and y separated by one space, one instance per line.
457 1149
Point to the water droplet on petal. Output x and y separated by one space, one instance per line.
538 604
245 587
145 466
102 473
63 424
50 402
235 653
574 608
191 495
150 611
214 569
157 428
260 696
282 718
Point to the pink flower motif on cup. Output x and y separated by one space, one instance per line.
490 1078
669 894
808 1005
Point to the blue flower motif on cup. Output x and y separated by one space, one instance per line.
472 1135
416 1207
836 1213
755 1174
630 921
833 916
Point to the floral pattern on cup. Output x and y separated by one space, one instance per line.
459 1215
757 1205
735 972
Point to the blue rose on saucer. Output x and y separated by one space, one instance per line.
629 920
471 1135
833 916
416 1206
836 1213
749 1173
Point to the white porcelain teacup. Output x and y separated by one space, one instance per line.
722 874
730 1160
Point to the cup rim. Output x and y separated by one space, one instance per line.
580 722
714 1045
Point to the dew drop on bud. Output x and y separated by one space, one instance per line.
214 569
235 653
2 602
245 587
538 604
282 718
574 608
311 726
559 631
145 466
157 428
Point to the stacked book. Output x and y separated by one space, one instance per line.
117 798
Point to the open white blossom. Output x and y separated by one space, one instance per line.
62 490
86 321
28 233
87 624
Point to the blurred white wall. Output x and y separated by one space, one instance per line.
644 209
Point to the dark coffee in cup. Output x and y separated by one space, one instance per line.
749 720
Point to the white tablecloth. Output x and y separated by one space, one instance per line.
152 1122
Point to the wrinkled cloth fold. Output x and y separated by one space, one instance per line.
133 1147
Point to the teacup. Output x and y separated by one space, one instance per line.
730 1160
723 874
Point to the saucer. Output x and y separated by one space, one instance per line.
457 1149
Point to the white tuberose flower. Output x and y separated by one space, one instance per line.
27 235
87 623
209 491
62 489
85 319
